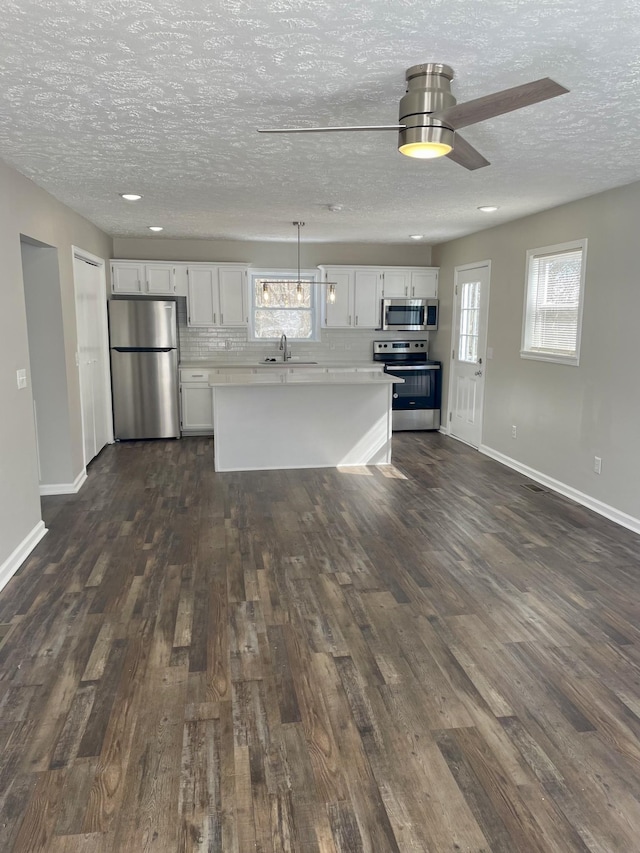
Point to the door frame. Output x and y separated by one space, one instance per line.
101 264
453 342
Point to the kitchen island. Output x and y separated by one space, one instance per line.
301 419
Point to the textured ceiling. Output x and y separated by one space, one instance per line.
163 98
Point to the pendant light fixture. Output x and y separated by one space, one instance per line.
299 288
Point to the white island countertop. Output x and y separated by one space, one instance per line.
300 377
301 419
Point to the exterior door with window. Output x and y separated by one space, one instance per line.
468 352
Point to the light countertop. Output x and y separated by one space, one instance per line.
300 377
299 365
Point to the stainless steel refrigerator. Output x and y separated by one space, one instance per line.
144 368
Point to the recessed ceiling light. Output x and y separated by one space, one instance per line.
488 208
156 228
130 196
416 236
334 208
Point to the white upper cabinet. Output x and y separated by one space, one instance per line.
232 284
160 279
410 282
359 291
127 277
357 297
367 293
216 295
147 279
395 283
339 313
424 283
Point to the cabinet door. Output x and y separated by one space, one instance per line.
160 279
395 284
202 296
424 284
367 303
197 408
232 283
339 314
127 278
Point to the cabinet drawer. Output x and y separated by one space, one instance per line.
188 375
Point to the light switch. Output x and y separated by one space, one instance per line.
21 378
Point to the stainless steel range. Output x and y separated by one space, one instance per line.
416 401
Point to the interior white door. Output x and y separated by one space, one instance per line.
92 356
469 352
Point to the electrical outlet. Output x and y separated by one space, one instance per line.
514 431
597 465
227 344
21 378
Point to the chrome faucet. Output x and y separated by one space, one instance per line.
286 355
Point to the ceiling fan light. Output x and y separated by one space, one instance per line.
425 150
425 142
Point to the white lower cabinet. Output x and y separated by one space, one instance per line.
196 403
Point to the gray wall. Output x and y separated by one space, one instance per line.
48 373
565 415
278 255
28 210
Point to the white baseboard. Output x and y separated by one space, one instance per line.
65 488
444 430
610 512
17 557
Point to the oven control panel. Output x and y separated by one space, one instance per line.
401 352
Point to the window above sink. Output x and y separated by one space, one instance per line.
279 306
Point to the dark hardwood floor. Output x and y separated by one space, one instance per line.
425 657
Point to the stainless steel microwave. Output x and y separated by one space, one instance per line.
409 315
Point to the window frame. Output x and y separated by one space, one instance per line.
526 352
312 274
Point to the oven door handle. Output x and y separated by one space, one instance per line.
390 368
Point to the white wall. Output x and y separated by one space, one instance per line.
278 255
28 210
565 415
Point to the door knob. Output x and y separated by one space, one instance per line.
478 373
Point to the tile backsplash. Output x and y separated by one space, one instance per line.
229 345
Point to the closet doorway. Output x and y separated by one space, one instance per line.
93 352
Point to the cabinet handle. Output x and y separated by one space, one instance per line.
356 319
197 375
221 319
214 319
349 323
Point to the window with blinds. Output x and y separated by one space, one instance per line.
553 304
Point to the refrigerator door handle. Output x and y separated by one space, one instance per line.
143 349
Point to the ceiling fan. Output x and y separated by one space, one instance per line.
430 117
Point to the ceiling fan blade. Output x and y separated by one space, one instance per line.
499 103
329 129
466 155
